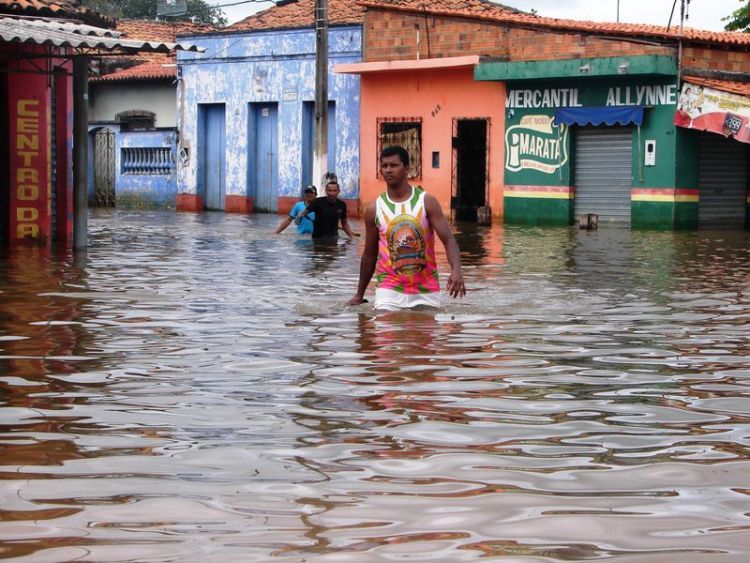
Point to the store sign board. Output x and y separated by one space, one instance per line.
712 110
29 165
536 144
614 96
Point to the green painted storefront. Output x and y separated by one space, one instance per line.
540 152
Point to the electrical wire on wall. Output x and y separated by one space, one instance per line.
426 30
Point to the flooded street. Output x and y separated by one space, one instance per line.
193 389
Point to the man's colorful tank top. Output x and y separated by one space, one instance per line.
406 253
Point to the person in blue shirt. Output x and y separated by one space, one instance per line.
305 225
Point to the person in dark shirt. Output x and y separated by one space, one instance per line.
329 211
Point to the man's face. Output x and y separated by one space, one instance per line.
393 170
309 197
332 192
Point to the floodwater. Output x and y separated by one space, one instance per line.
193 389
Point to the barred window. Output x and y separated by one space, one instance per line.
147 160
136 120
406 132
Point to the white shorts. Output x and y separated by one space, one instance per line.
389 300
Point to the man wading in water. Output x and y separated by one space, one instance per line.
400 242
329 211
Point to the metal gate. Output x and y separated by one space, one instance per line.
104 168
603 172
722 180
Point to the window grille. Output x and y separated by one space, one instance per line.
136 120
406 132
149 160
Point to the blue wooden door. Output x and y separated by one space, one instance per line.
308 138
265 157
213 154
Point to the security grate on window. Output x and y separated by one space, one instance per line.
148 160
405 132
136 120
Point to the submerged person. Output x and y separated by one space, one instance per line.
329 212
400 242
306 223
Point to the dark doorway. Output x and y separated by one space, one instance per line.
4 156
470 172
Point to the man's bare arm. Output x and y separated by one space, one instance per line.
346 228
455 286
369 256
284 224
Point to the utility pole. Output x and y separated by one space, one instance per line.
320 144
618 11
682 16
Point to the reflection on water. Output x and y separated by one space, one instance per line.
193 388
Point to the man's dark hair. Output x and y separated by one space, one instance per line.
310 190
396 150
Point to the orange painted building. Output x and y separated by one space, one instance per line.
437 111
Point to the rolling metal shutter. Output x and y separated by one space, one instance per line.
722 180
603 172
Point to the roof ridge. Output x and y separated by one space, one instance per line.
299 14
513 16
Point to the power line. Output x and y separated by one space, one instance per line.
243 2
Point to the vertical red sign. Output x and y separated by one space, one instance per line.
30 154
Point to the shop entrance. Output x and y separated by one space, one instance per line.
722 181
469 174
602 170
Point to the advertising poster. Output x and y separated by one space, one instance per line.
706 109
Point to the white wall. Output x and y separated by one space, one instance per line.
108 99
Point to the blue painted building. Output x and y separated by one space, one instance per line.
245 111
133 121
131 169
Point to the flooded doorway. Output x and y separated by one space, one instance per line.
264 155
602 172
212 145
470 173
722 180
104 167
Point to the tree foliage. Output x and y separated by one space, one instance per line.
739 20
198 11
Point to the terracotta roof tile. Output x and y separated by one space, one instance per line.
731 86
156 67
502 14
300 14
150 30
149 66
56 9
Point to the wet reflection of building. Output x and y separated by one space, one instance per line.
38 325
39 333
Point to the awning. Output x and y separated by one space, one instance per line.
597 115
62 33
